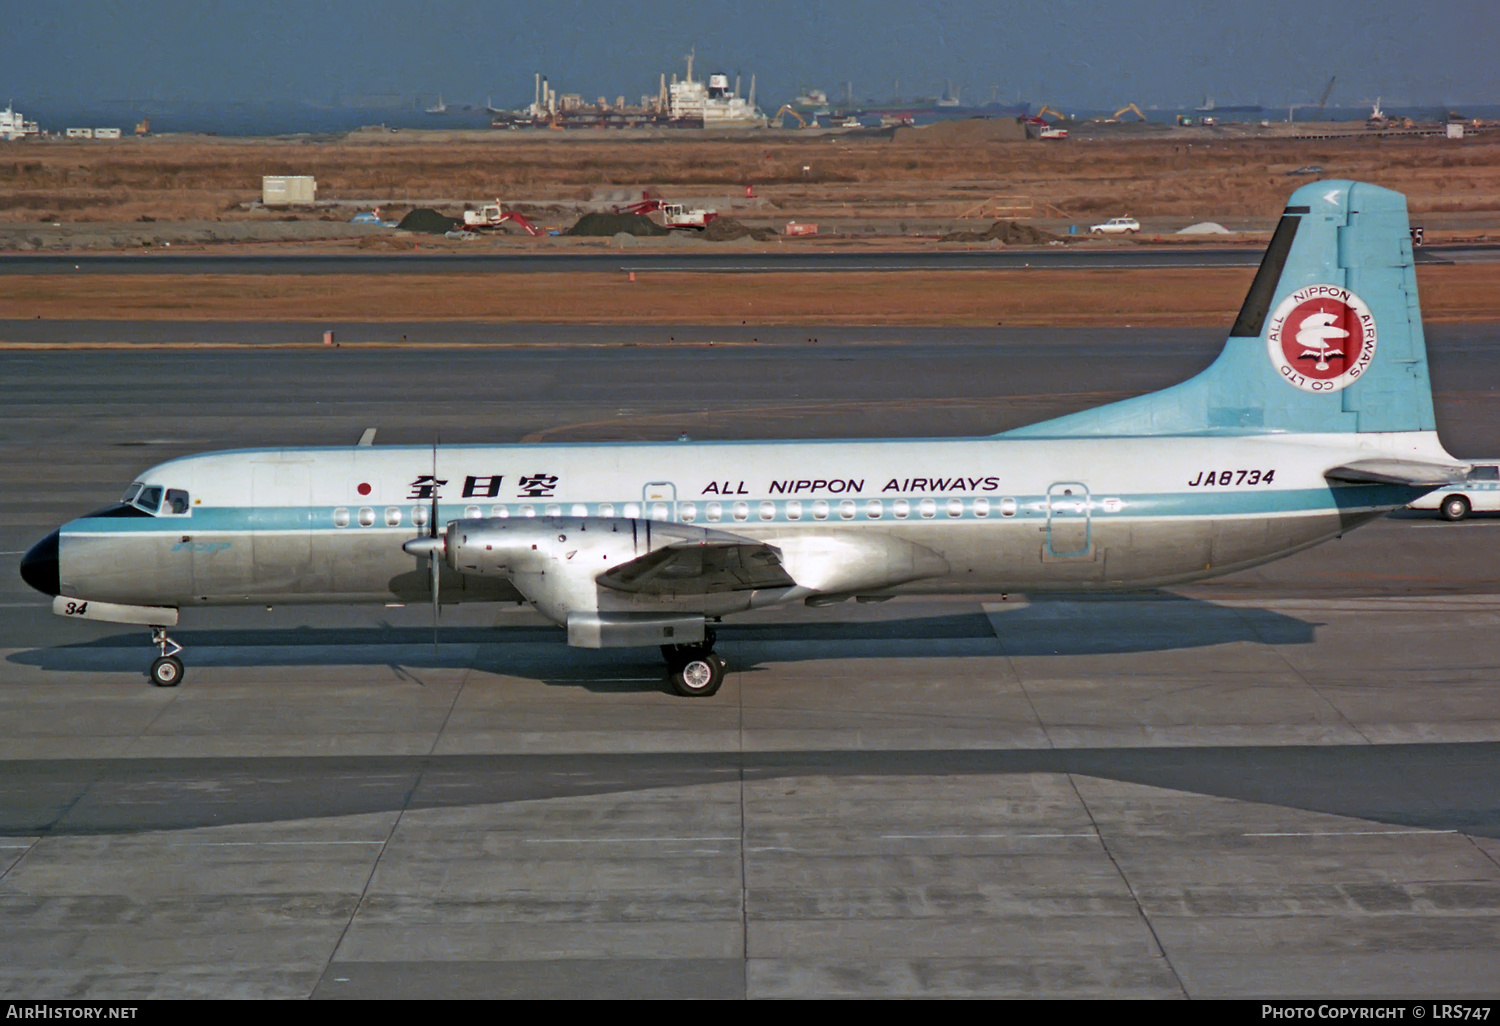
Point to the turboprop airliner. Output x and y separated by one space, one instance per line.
1316 417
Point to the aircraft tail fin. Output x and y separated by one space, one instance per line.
1329 339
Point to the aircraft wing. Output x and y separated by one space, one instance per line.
719 563
1398 472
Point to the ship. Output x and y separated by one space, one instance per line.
13 125
711 104
686 104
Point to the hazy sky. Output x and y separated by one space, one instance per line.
1067 53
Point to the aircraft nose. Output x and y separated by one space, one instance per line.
39 566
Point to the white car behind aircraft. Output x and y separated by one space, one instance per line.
1480 493
1117 226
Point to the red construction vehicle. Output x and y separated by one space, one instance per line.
673 215
493 215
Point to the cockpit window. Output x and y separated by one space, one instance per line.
131 492
149 498
177 502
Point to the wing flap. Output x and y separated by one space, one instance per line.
1416 473
717 564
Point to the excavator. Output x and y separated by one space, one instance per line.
1127 109
493 215
780 118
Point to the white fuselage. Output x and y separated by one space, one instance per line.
988 514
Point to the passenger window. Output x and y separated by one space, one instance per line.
366 516
981 507
1008 507
820 509
874 509
901 508
846 509
1485 474
177 502
472 512
418 516
500 512
341 517
579 510
527 510
741 510
554 510
955 507
393 516
713 512
687 512
794 510
928 508
768 510
658 511
606 509
632 510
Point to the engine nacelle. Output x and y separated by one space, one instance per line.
556 563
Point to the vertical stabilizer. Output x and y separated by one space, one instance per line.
1329 338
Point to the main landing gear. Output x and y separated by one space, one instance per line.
694 670
166 672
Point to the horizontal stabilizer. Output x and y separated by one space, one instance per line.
1398 472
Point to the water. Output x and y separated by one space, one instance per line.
265 119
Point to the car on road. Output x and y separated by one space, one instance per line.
1480 493
1116 226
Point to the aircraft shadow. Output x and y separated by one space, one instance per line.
1053 626
1425 786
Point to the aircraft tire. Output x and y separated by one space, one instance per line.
698 677
166 672
1455 507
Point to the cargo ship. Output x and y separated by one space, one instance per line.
689 103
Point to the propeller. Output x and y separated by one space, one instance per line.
433 547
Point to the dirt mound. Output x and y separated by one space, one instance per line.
726 229
964 130
610 225
427 221
1010 233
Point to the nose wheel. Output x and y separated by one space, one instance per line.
694 671
166 671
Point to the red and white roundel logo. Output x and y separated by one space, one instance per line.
1322 338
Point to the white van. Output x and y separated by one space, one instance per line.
1480 493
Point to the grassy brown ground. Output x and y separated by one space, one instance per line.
1460 292
813 176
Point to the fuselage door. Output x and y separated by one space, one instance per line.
659 500
1068 510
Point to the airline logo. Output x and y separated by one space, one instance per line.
1322 338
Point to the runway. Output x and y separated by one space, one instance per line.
1277 784
691 255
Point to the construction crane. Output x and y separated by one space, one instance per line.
1322 100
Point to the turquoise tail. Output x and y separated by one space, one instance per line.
1329 338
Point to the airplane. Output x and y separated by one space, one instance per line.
1275 447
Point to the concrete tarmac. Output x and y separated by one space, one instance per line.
1277 784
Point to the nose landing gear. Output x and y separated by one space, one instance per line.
166 671
694 670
